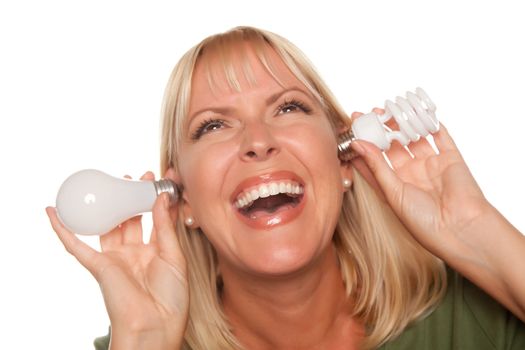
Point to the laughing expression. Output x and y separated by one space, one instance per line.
259 167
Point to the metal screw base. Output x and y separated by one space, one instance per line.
165 185
344 151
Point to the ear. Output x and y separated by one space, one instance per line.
186 211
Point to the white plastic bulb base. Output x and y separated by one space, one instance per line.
91 202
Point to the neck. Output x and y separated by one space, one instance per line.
306 310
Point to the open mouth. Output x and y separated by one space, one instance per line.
269 198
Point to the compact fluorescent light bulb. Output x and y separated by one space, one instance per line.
415 116
91 202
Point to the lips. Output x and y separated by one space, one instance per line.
267 200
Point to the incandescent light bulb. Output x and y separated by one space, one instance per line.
90 202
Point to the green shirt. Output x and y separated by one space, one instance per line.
466 319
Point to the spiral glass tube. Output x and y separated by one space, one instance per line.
414 115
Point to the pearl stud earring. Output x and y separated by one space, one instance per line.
347 183
189 221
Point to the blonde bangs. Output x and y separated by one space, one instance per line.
226 60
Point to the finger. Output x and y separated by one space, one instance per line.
443 140
153 237
173 215
132 230
356 115
111 240
80 250
148 176
165 233
421 148
388 181
360 166
398 155
378 110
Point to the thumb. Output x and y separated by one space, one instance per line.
166 236
387 179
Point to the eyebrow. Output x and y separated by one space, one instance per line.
270 100
276 96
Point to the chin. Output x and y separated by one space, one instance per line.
280 261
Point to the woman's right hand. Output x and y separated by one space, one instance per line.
145 286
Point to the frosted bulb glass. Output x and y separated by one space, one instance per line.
91 202
414 115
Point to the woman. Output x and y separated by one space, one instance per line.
277 244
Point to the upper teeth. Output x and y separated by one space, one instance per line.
249 195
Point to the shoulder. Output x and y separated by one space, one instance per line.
466 318
102 343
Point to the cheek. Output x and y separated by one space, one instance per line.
203 169
316 146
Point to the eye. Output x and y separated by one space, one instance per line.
207 126
293 105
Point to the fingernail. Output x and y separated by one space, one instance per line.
165 201
358 147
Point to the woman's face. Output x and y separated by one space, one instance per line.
269 141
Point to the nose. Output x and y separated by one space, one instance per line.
258 143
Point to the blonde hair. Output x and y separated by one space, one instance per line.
391 279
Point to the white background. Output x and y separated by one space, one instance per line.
81 85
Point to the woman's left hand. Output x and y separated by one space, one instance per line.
433 194
437 199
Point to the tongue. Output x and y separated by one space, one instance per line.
258 213
270 205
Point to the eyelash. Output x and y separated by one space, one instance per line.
294 103
205 124
203 127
